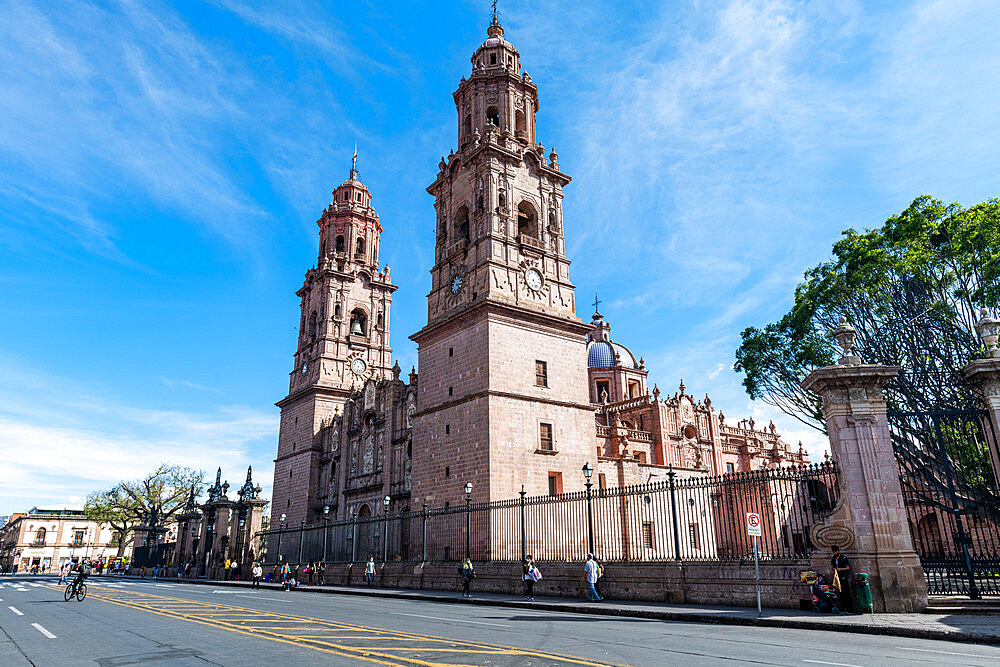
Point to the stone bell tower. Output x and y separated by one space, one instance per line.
506 401
343 341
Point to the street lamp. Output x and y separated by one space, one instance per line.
302 534
281 527
588 471
385 530
326 518
468 520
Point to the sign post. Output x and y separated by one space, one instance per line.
753 529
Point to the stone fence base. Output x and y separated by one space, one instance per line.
691 583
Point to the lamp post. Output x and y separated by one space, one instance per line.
468 519
326 519
354 535
588 471
302 534
385 530
281 527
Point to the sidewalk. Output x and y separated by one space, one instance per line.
956 627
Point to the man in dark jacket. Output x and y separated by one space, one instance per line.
842 569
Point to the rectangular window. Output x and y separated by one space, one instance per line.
633 389
602 481
603 391
545 437
451 352
730 468
78 538
693 536
447 429
541 374
647 534
447 471
639 456
555 483
451 391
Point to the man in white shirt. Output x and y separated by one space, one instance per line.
591 570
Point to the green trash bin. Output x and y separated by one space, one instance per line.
863 592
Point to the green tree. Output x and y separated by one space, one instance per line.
162 493
911 288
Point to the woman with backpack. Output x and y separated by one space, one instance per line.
468 574
530 574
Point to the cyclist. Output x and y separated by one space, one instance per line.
81 575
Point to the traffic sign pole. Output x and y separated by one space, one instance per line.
754 530
756 571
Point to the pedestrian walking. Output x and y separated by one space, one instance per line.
600 575
529 572
842 579
235 569
321 571
370 571
309 572
591 573
63 572
257 573
468 574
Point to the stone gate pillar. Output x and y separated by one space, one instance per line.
986 373
869 522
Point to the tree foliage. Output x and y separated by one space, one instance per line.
912 289
160 494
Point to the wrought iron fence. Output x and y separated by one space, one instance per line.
676 519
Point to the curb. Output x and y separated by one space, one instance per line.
682 617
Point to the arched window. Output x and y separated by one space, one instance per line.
359 246
359 324
313 326
461 226
340 244
467 128
338 311
526 220
381 321
493 116
519 128
40 536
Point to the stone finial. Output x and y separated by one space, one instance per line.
554 159
722 419
396 370
708 401
988 329
750 422
442 165
682 388
771 427
846 335
476 137
642 363
656 392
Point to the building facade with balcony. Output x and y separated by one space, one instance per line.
47 538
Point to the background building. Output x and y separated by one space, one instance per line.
47 538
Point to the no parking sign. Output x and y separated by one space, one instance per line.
753 524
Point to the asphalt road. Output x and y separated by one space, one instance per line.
129 622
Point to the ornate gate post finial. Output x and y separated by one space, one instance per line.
846 335
988 329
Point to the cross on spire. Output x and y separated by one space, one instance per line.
494 10
597 303
354 161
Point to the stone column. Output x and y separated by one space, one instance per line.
986 373
869 523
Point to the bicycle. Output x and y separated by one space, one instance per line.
77 589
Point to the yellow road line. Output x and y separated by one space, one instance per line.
252 627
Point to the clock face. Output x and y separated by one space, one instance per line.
358 366
456 284
534 279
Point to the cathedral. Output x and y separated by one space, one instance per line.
514 390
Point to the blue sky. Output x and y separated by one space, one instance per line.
162 167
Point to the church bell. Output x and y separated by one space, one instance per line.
356 327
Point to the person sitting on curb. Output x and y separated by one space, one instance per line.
590 573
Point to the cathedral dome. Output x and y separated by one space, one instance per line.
601 354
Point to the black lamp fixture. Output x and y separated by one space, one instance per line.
468 490
588 470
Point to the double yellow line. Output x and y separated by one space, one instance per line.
332 637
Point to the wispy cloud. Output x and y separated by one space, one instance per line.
64 439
